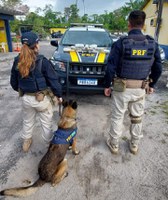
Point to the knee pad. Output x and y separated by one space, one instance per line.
136 119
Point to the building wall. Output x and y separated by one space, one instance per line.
150 10
163 35
3 37
7 14
62 30
149 28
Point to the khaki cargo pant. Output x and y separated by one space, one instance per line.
31 107
133 101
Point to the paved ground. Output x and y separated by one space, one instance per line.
95 173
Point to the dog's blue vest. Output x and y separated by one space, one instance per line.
64 136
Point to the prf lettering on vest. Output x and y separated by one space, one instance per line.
138 52
71 136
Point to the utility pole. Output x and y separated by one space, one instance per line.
84 6
159 18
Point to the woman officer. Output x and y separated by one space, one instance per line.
32 75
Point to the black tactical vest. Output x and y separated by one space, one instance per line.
137 58
35 81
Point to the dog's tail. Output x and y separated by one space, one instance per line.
23 191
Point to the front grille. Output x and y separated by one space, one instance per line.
82 68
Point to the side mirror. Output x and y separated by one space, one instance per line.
54 43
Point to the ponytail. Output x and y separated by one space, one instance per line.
27 59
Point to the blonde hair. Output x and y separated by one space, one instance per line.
27 59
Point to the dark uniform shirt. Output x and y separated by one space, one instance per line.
116 55
47 71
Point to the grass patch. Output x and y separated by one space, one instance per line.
124 138
163 141
164 107
165 134
153 112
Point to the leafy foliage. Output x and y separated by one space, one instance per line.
41 20
8 3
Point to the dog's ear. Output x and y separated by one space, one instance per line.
70 102
64 103
74 105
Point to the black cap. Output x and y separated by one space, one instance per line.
29 38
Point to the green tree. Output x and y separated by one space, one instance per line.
38 26
42 20
8 3
30 18
134 4
51 18
67 13
118 18
95 18
74 16
35 21
85 18
14 26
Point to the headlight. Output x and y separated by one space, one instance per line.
59 65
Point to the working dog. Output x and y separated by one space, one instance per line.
53 166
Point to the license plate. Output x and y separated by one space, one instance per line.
87 81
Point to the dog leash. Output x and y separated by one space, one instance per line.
60 111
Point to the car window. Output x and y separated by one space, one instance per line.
114 37
101 39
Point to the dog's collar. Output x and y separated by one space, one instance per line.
64 136
70 118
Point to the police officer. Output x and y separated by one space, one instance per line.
134 64
31 75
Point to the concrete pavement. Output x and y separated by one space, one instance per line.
95 173
7 56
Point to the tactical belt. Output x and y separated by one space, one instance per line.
45 92
41 94
119 84
30 94
134 83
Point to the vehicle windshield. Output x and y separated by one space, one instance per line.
101 39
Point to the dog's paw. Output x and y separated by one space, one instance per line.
66 174
70 147
76 152
53 184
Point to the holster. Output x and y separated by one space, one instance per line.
20 93
53 98
119 85
39 96
145 85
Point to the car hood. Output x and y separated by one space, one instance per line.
82 53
